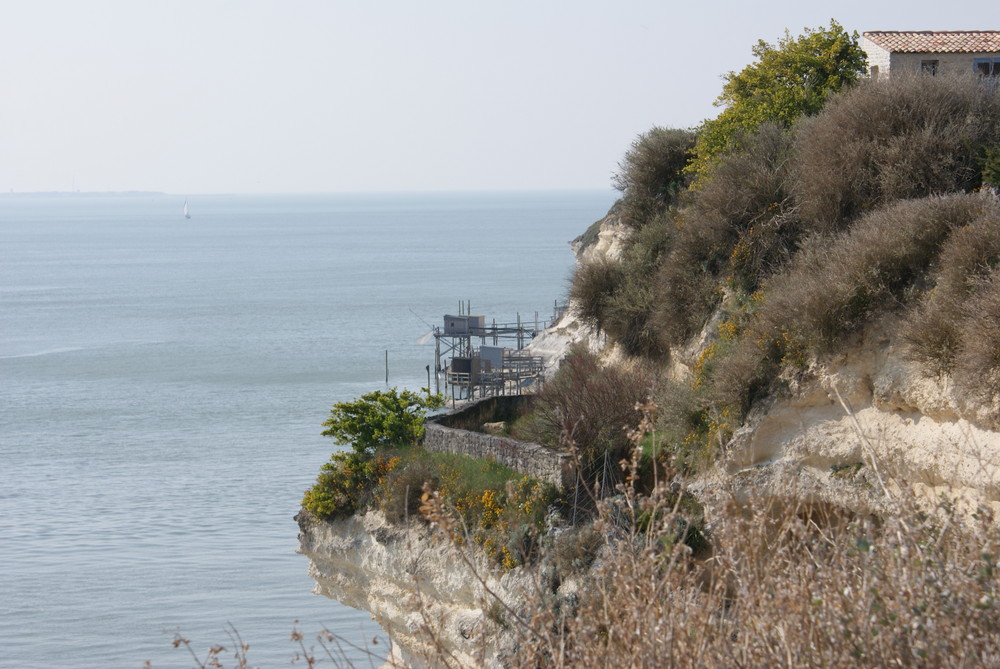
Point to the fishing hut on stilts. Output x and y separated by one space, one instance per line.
477 359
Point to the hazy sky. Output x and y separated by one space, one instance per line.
216 96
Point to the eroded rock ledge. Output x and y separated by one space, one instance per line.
415 584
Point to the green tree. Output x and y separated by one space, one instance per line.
381 419
787 80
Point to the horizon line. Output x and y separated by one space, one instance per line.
134 192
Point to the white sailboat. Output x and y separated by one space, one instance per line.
187 211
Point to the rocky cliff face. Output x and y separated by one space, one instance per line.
866 414
604 239
430 600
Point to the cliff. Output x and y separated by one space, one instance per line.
842 422
432 600
848 429
861 415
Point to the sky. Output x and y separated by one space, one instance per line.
317 96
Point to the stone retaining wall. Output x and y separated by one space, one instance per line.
521 456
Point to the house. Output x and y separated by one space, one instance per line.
932 51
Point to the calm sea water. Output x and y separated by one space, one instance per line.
163 382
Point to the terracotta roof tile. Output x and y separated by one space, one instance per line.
936 41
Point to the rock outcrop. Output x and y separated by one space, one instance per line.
864 417
604 239
429 599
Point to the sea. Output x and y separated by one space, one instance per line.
163 384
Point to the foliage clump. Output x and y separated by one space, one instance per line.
952 329
651 175
381 419
801 231
586 407
790 79
892 139
616 296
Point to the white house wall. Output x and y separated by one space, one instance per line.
947 62
877 57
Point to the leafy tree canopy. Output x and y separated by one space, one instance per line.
787 80
381 419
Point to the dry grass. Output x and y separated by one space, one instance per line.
787 586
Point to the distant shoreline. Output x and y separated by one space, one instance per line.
66 193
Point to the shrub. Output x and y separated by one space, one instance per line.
833 286
991 165
616 296
680 417
593 288
345 483
896 138
575 549
739 224
788 80
978 358
933 330
381 419
587 406
398 494
836 283
628 320
652 173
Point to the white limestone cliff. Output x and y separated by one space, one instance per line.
417 587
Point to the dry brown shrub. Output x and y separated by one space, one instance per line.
652 173
896 138
836 283
398 495
588 406
977 365
934 330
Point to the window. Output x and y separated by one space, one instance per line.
989 67
929 67
873 72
